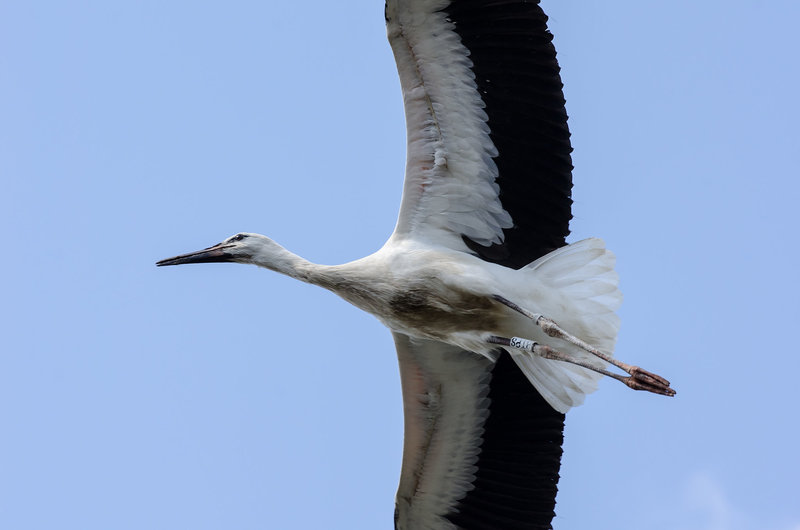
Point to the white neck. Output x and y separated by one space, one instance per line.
343 280
271 255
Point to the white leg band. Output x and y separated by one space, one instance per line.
522 344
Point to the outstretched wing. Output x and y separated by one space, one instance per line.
481 449
488 171
488 166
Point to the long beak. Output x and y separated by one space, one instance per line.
215 254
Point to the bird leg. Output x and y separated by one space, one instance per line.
639 379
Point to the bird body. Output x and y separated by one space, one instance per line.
500 327
439 294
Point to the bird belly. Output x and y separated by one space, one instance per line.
430 315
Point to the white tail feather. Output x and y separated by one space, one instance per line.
583 283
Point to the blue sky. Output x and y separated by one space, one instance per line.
225 396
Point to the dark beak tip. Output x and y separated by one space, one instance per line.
168 261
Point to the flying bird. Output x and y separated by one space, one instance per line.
500 326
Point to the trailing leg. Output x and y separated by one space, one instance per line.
636 381
639 379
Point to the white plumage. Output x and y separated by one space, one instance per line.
476 268
450 186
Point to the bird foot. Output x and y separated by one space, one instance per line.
640 379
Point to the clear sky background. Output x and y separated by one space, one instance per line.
224 396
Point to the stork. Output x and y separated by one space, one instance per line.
500 327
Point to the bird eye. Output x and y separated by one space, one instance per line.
237 237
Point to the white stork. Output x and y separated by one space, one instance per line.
500 327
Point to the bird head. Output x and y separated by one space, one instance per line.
239 248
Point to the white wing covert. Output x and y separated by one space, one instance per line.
445 407
450 187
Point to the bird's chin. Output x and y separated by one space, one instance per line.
215 254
